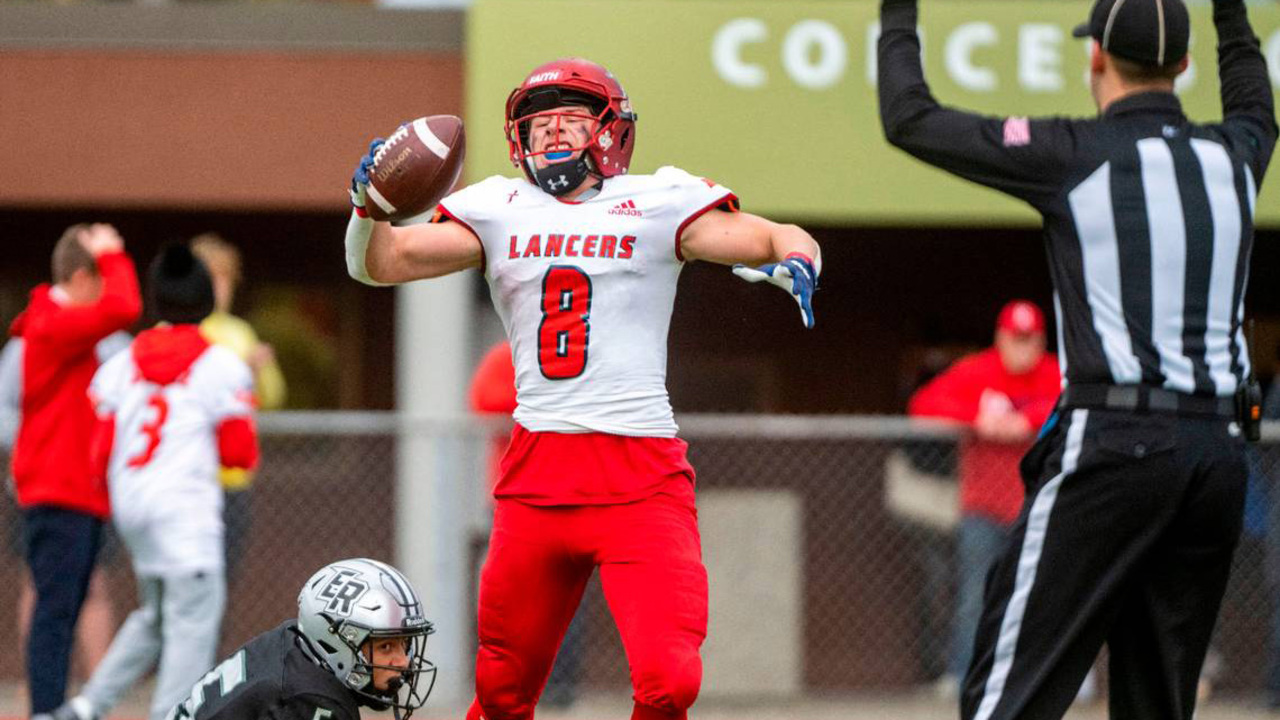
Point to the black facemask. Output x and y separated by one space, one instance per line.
562 177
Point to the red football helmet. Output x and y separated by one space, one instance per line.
573 81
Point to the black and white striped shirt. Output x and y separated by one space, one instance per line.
1148 217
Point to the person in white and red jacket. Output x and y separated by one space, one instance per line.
171 410
94 294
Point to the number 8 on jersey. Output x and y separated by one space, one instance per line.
565 330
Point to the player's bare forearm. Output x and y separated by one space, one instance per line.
390 260
788 239
732 238
436 249
380 257
388 255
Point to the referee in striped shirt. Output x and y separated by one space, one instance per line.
1135 489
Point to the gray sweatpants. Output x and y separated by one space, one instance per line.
178 625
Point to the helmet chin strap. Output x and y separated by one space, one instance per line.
562 177
393 687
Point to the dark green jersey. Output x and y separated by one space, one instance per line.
269 678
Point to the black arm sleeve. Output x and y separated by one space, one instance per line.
1248 105
1024 158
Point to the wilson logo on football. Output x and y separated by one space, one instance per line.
626 208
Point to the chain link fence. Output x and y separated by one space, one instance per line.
830 542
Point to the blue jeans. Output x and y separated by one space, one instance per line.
61 546
979 542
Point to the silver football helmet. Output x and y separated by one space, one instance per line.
348 603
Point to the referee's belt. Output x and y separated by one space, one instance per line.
1144 398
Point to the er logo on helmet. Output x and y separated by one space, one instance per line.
342 591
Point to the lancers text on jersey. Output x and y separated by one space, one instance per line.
560 245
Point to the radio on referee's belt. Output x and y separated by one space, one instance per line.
1249 409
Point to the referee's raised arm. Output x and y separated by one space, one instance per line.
1135 492
1022 157
1248 105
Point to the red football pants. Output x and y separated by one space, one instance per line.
540 558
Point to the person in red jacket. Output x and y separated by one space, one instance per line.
1004 393
64 503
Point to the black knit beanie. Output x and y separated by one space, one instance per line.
180 289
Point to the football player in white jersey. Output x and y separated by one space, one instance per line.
171 409
582 261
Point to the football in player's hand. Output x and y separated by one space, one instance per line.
416 167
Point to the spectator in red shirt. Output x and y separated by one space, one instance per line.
63 501
493 392
1004 394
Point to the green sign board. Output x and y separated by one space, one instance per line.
777 100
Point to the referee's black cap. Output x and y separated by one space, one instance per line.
1148 32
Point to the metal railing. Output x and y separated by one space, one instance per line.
849 564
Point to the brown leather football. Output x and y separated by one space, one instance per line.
416 167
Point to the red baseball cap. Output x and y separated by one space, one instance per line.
1021 317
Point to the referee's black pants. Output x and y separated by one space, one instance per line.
1126 538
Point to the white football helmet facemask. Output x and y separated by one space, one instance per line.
349 602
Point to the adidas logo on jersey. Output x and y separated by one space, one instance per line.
626 208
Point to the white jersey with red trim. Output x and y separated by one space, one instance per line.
166 501
585 291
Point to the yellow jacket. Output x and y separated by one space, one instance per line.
238 336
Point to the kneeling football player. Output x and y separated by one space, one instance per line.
359 640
